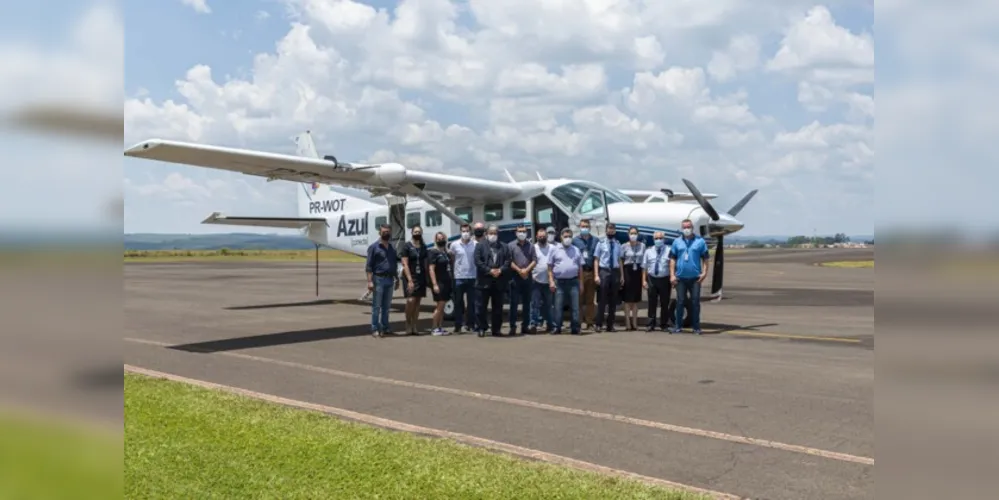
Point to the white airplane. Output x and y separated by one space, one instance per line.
441 202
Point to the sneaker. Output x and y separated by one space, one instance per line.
697 331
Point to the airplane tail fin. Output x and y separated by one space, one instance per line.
321 200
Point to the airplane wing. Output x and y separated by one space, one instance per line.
640 196
384 178
315 227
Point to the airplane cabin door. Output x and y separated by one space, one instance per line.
593 207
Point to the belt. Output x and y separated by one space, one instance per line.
385 275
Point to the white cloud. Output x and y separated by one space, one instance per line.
199 6
565 88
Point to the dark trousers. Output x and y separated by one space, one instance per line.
491 297
610 289
659 292
683 287
520 294
464 289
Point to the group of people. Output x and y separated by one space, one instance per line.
541 277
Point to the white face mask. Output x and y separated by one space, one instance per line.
687 231
566 241
465 235
633 237
491 238
521 236
551 237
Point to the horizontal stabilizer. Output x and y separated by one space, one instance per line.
282 222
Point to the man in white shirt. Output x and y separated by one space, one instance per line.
541 295
462 252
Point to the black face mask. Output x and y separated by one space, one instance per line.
386 236
479 232
417 237
441 243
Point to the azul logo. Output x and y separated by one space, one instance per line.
327 205
352 227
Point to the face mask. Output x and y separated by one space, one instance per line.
417 236
566 241
385 236
633 237
687 231
521 236
584 230
465 235
610 234
491 238
551 237
542 239
480 232
441 243
660 242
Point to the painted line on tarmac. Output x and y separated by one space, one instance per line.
750 333
416 429
765 443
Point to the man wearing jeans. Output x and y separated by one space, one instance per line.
523 262
463 253
541 294
381 267
688 266
565 279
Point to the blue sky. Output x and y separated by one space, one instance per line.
798 126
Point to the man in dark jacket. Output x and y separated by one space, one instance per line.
492 263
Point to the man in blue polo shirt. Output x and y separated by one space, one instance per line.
688 266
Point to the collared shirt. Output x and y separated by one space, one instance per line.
543 252
655 256
586 246
688 255
609 252
464 259
565 261
633 256
522 253
381 260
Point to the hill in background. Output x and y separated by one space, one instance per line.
233 241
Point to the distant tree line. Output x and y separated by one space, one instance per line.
803 240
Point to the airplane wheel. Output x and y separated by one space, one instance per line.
449 310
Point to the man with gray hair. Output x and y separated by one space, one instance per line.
655 267
492 262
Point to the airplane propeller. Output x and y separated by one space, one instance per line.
718 273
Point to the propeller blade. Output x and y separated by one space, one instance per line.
742 203
701 200
719 268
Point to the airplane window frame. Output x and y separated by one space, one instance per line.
418 219
438 218
486 211
518 207
465 213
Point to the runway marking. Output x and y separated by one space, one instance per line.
750 333
765 443
416 429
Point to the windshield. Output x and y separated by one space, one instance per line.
572 196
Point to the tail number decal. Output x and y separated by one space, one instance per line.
352 227
327 205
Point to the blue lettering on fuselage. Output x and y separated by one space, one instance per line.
357 226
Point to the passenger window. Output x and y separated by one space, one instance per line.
465 213
493 212
519 209
412 219
434 219
545 216
380 221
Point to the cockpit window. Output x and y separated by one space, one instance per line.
571 195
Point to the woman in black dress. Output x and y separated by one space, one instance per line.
632 254
414 277
440 280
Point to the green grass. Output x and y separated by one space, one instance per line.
851 264
41 459
188 442
238 255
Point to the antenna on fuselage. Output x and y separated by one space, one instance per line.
509 177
